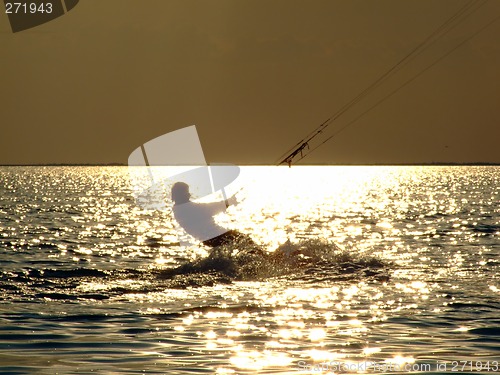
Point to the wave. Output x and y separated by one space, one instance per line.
485 229
310 260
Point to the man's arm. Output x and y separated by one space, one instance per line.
221 206
215 207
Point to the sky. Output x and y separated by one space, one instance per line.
255 77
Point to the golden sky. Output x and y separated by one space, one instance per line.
255 76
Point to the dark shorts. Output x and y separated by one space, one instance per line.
230 236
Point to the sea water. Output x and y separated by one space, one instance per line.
86 282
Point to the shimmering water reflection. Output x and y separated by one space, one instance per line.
81 265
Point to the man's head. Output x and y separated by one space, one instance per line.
180 193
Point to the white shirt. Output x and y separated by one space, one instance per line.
197 219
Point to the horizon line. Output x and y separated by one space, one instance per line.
264 165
